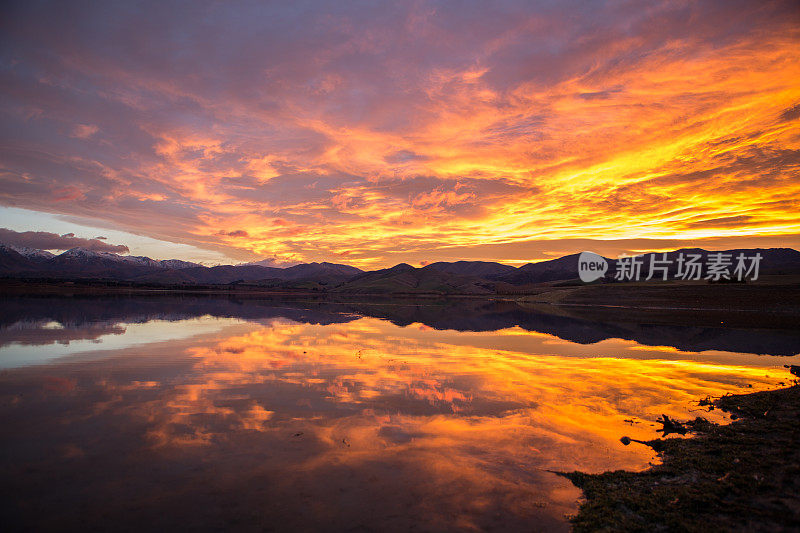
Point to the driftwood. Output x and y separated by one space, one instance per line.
670 426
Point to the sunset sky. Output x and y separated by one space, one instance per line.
376 133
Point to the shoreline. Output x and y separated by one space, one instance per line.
771 304
744 475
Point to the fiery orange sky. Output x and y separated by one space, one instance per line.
372 134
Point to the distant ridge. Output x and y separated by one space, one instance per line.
32 253
481 269
561 269
459 277
404 278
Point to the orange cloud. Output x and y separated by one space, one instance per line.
669 125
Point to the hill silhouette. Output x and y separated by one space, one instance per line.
459 277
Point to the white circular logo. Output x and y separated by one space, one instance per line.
591 266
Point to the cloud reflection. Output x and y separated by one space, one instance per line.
343 424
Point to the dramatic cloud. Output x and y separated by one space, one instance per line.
84 131
274 262
234 233
793 113
44 240
323 131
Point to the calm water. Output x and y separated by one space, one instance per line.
207 413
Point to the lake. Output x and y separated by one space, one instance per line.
210 412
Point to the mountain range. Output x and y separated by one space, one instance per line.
460 277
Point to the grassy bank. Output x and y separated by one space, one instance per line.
740 476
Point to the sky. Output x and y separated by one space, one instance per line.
373 133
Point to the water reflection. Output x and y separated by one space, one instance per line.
308 415
35 321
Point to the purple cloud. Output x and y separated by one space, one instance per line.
434 122
44 240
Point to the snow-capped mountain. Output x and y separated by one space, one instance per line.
32 253
177 264
80 263
82 254
77 257
141 260
85 255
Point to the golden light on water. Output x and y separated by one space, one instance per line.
371 370
303 419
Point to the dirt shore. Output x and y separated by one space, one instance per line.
743 476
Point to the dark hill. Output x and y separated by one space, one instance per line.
480 269
405 279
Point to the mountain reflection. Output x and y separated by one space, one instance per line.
334 415
30 320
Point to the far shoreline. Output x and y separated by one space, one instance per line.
770 303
